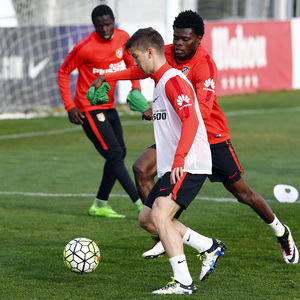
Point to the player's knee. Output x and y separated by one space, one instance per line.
156 218
124 152
242 191
144 222
139 169
242 198
142 172
246 197
114 156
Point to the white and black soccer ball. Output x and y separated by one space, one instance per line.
81 255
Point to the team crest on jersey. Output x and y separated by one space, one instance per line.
119 52
185 70
100 117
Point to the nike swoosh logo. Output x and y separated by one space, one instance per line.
188 238
293 257
155 99
230 177
163 189
35 70
181 261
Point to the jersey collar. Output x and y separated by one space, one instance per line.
160 72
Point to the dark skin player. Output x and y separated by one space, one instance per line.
104 26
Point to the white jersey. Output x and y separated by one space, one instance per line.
180 134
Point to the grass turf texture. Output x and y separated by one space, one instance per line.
34 229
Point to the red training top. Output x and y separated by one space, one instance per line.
93 56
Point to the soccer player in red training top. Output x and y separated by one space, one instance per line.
100 52
187 55
183 156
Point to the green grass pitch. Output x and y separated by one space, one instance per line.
49 175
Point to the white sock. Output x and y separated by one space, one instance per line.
196 240
180 269
277 227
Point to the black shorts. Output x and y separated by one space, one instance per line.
225 164
184 191
152 146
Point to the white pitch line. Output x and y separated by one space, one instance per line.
37 133
128 123
112 196
58 131
54 195
93 195
261 111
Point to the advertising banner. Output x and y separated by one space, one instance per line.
250 57
296 52
29 61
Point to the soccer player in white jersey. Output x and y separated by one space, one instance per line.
183 156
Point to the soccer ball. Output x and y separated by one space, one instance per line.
81 255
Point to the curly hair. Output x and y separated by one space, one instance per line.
190 19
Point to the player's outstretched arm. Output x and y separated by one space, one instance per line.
132 73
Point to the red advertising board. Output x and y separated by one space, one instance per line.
251 56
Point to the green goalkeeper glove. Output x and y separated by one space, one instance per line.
100 96
137 102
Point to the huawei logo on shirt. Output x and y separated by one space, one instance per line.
183 101
209 85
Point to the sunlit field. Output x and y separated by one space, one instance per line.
49 177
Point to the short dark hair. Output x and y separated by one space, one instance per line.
145 38
102 10
190 19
